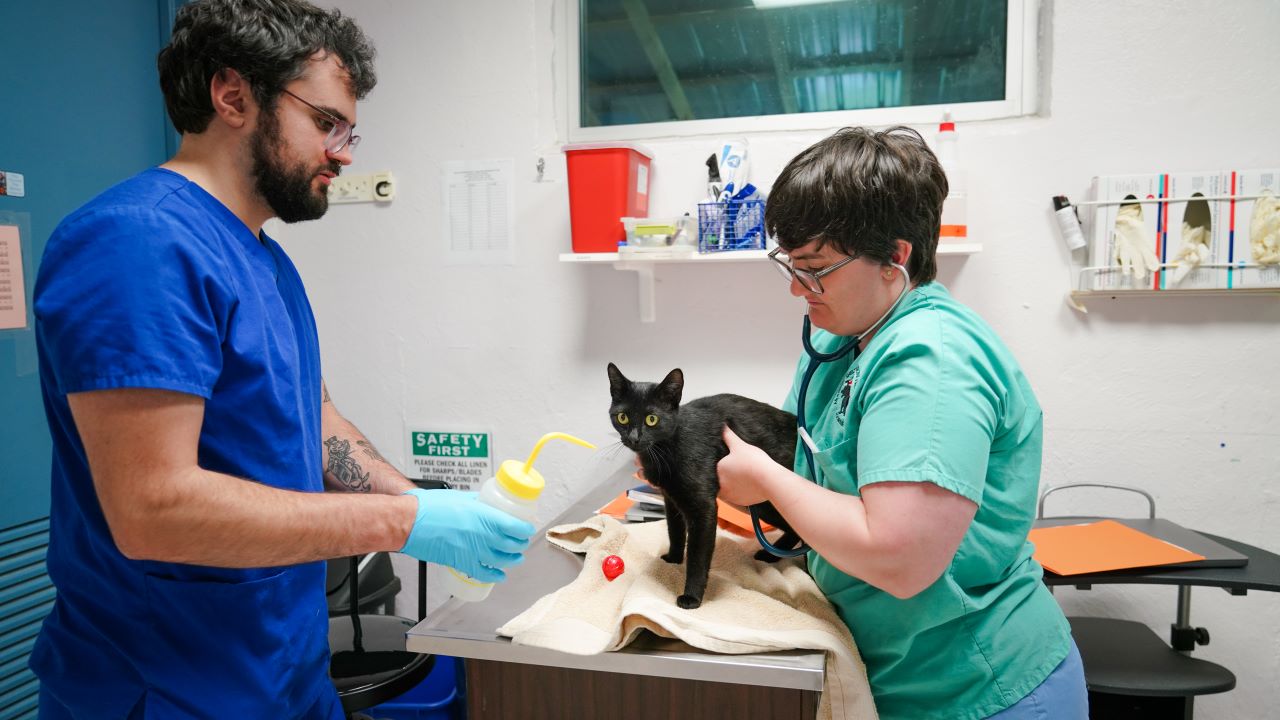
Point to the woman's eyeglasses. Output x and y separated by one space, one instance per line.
807 278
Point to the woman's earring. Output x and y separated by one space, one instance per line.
888 274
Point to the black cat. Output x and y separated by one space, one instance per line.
679 447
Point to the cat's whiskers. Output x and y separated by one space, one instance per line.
609 452
662 461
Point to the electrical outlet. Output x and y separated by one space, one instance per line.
351 189
384 186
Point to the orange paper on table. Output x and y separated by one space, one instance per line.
1102 546
617 507
730 518
737 521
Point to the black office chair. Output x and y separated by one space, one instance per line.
378 585
370 663
1130 672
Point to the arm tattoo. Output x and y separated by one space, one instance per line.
371 451
344 468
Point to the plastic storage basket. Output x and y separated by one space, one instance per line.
734 225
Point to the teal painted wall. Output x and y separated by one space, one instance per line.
80 110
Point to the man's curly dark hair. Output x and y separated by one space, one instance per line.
269 42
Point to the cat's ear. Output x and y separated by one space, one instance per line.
617 382
671 387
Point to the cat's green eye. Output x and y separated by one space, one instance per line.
650 420
623 419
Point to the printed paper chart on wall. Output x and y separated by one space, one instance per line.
478 212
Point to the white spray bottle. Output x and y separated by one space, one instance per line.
514 490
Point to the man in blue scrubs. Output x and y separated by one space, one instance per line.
193 436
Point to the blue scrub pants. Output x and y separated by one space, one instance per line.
326 708
51 709
1062 695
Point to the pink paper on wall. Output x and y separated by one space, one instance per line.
13 288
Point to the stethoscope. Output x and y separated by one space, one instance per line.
816 358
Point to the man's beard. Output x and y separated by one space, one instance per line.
286 188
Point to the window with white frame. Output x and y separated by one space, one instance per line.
648 68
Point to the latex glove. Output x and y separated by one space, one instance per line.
454 528
1264 230
1134 253
1194 250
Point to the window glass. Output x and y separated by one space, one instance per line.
653 61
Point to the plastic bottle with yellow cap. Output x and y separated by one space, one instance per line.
514 490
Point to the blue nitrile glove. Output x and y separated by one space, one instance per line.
454 528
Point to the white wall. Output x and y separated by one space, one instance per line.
1177 395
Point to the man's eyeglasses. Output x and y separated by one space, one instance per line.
340 131
808 278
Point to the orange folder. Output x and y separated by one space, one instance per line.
729 517
1102 546
737 521
617 507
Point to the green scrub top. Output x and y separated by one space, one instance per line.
937 397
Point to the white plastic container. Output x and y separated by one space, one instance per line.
651 231
665 236
492 492
514 490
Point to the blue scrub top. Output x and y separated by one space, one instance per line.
156 284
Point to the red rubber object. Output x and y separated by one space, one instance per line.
612 567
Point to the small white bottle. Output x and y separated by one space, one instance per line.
1068 223
514 490
955 223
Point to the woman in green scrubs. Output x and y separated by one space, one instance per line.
916 477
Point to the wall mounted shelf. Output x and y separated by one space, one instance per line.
643 264
1077 296
1089 276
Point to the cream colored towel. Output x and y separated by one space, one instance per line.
749 607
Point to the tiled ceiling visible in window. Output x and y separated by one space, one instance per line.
646 61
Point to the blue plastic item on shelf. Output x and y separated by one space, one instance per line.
732 225
437 697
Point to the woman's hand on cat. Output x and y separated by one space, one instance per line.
742 471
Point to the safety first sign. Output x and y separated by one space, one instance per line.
463 459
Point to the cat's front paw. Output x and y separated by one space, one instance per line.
688 602
766 556
674 558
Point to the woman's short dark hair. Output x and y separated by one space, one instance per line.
860 191
267 41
